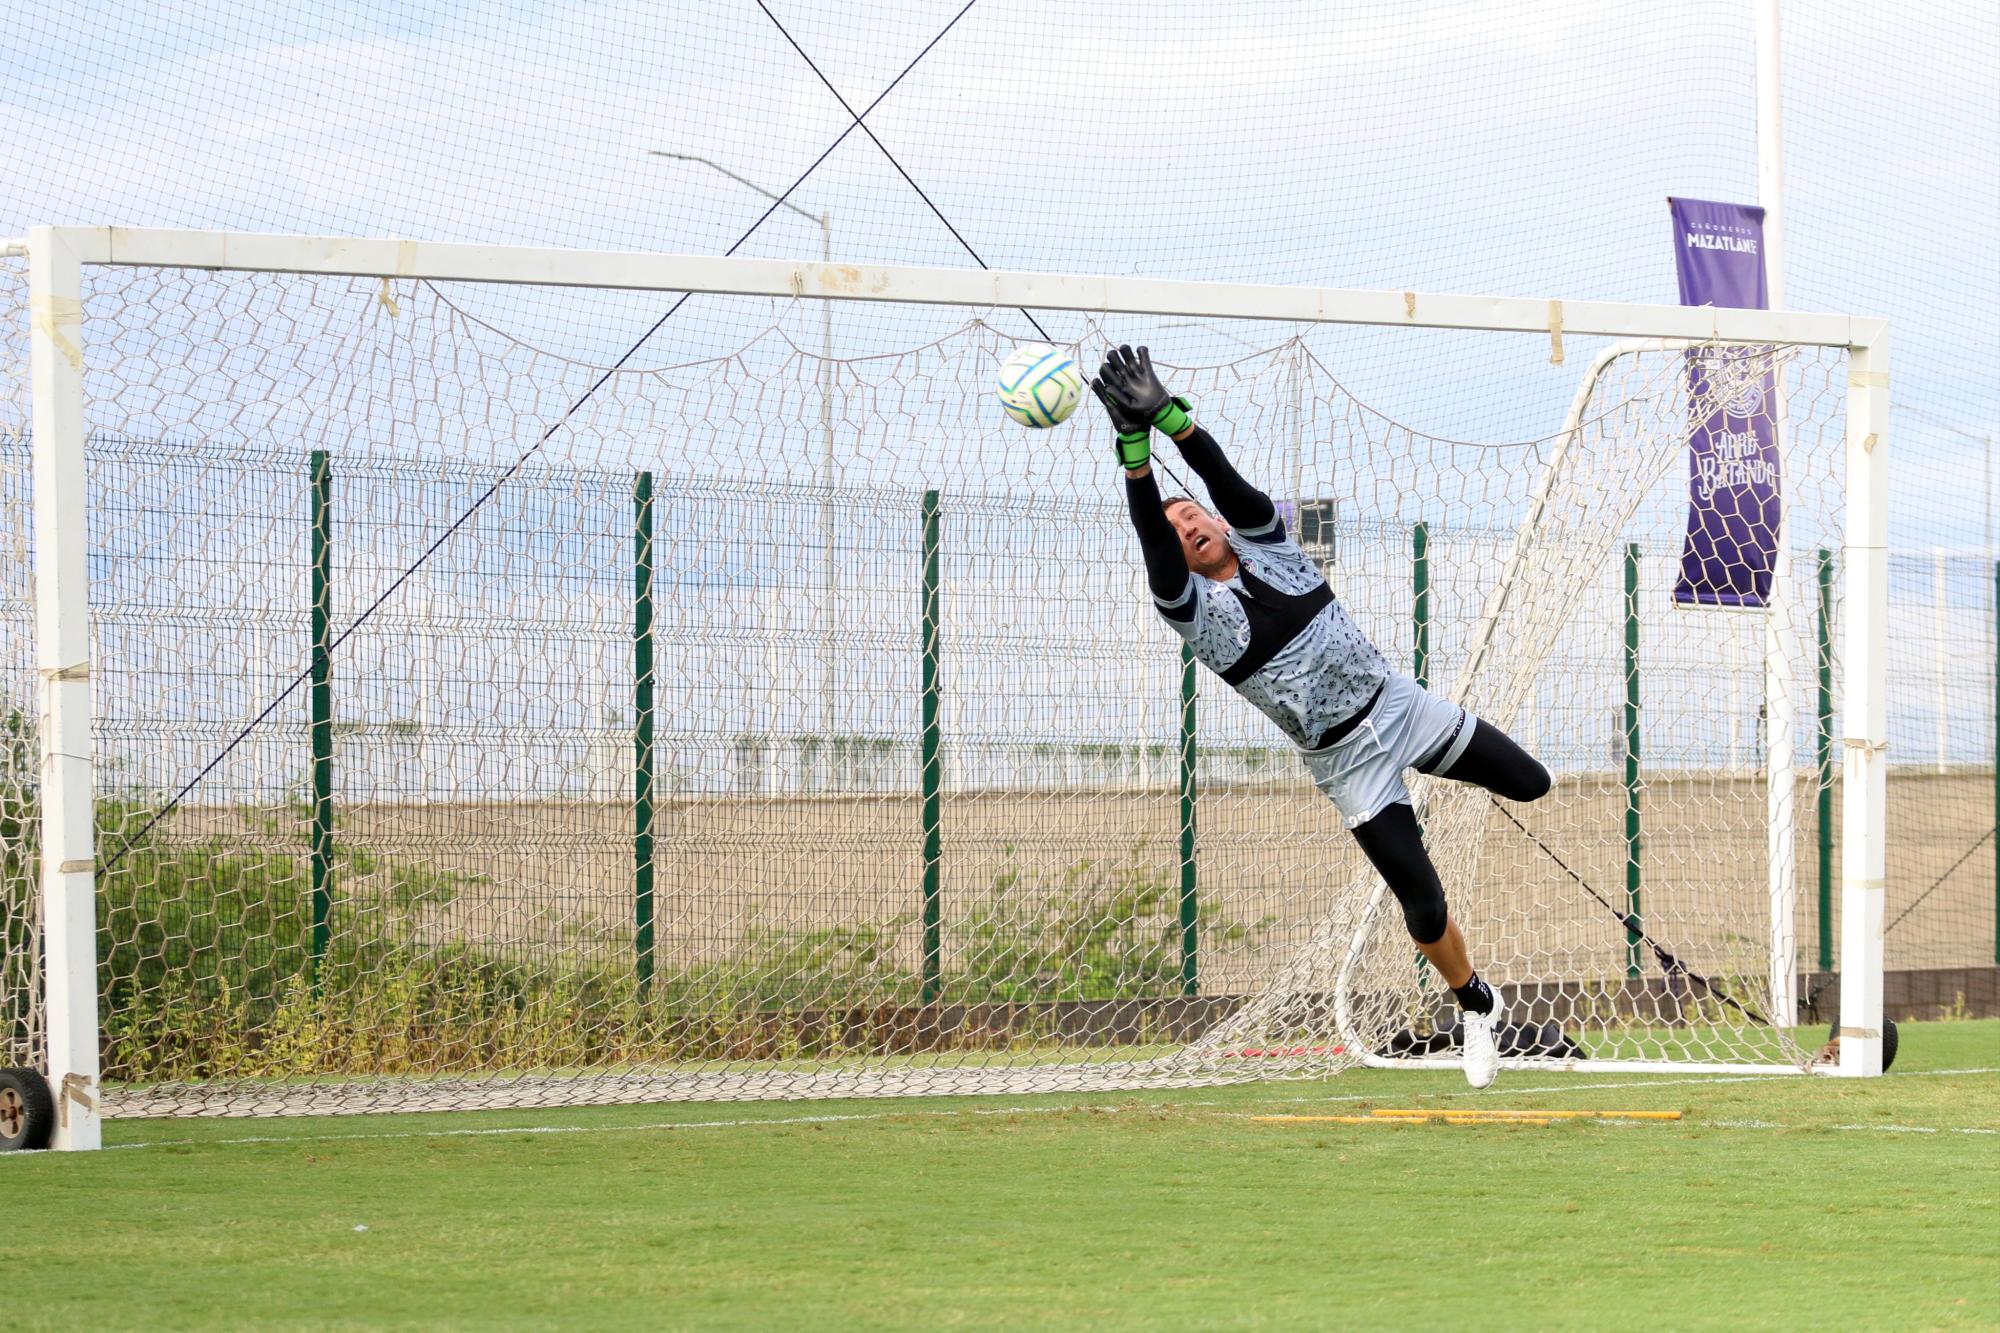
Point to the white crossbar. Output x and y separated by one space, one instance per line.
387 258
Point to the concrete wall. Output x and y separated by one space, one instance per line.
741 872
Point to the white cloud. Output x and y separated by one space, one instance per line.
1464 145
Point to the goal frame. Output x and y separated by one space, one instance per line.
57 256
1780 805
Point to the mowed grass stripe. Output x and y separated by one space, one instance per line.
1120 1215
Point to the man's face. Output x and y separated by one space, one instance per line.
1203 541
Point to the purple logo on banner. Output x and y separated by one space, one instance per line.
1735 505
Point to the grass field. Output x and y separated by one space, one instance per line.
1779 1202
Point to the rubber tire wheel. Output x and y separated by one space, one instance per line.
27 1111
1888 1039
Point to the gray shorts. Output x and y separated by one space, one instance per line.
1362 772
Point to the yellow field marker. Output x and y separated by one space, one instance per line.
1400 1120
1453 1113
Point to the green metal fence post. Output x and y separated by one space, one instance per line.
1420 654
642 736
1823 758
1632 836
322 709
1420 561
933 767
1190 941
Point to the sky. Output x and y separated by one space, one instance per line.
1470 146
1521 149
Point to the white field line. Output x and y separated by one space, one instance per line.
1878 1129
756 1123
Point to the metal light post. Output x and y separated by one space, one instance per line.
824 221
1781 649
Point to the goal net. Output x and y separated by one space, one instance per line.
478 721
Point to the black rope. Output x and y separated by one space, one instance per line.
907 178
181 795
1939 880
1668 963
936 212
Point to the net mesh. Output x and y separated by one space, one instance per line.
25 1030
498 894
1355 143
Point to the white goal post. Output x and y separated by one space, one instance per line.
58 260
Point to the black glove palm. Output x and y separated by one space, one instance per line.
1129 379
1135 433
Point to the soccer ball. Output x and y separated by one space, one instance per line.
1039 386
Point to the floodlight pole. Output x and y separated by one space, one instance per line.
824 221
1780 638
1865 580
1771 148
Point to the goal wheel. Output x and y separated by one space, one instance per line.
1831 1053
27 1111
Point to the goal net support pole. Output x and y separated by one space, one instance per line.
62 665
1864 709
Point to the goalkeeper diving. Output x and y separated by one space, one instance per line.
1257 612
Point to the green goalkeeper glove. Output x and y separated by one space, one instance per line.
1135 434
1129 377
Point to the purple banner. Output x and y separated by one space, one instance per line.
1735 507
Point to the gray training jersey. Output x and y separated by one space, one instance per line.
1323 676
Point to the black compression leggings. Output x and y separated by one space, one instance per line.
1492 760
1395 844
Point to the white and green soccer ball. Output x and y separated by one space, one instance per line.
1039 386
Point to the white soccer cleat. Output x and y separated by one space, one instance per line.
1482 1045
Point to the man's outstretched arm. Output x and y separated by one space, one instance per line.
1166 564
1167 573
1242 506
1130 380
